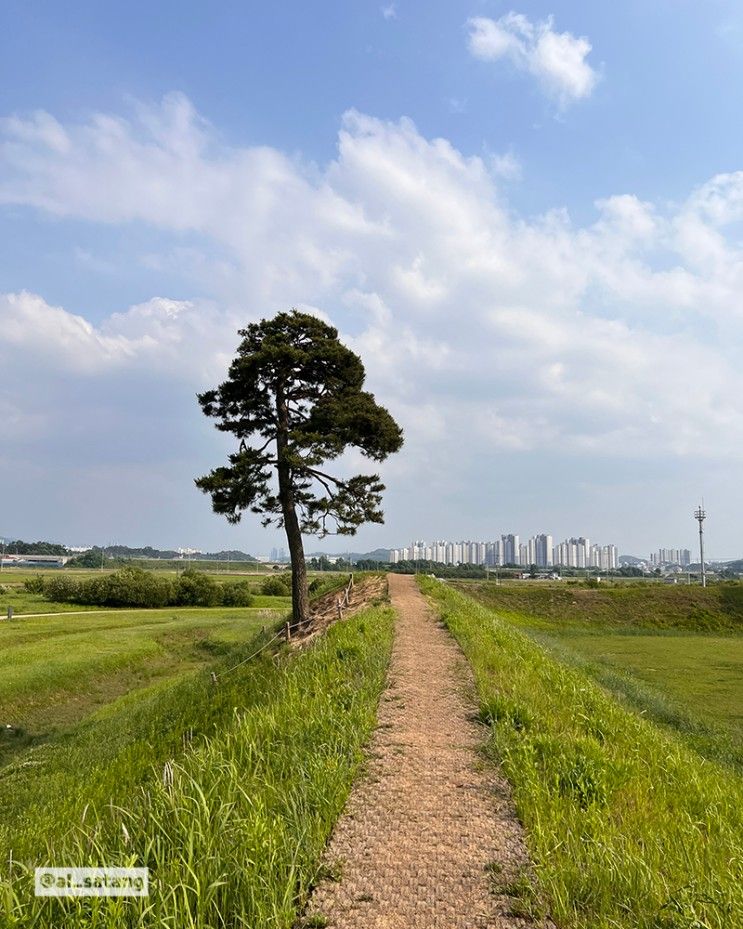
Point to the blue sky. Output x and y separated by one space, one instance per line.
526 218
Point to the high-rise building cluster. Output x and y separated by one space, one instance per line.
539 550
671 556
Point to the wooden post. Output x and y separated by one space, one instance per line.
288 630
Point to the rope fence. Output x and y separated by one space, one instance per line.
286 633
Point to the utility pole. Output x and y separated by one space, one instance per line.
700 516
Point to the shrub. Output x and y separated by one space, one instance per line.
237 594
93 592
61 590
194 588
275 587
131 587
34 585
138 589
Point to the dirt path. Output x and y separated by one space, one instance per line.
429 825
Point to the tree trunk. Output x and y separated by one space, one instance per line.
300 590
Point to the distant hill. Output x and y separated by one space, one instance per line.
18 547
231 555
124 551
631 560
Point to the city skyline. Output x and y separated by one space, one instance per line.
539 550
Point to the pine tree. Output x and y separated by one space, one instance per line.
294 399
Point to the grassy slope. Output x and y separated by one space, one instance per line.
627 826
626 607
689 682
704 673
233 833
55 670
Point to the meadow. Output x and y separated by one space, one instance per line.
621 607
673 653
226 791
56 669
702 672
628 825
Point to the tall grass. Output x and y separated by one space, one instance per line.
233 829
703 705
626 825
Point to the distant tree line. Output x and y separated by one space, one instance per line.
123 551
92 558
421 566
133 587
424 567
17 547
323 563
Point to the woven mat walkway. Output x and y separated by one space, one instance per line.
416 844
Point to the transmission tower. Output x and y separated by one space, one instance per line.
700 516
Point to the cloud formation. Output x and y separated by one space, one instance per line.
489 335
557 60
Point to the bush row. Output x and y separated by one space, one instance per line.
134 587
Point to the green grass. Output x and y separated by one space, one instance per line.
705 673
54 670
226 793
627 825
656 664
718 608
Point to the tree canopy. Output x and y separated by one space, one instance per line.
294 400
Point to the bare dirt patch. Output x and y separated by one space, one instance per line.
324 611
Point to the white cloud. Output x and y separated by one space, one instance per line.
389 11
506 165
487 333
556 59
51 335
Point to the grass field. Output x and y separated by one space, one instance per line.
649 646
623 607
257 768
55 670
705 673
629 827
